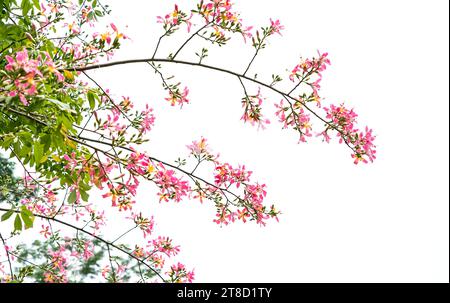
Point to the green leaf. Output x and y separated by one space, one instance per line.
91 99
43 159
27 217
26 211
72 197
26 7
38 152
17 223
84 195
36 4
62 106
7 215
27 221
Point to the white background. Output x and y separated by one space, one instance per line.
383 222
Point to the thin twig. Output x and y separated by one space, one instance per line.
189 39
7 255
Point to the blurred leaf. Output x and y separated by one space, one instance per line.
17 223
7 215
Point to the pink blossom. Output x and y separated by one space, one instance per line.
174 19
296 117
171 187
11 63
45 231
179 274
164 245
276 27
344 121
253 110
175 96
88 250
199 148
144 224
148 120
105 271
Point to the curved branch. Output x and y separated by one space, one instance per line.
215 68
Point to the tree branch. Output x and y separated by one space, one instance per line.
219 69
190 38
7 255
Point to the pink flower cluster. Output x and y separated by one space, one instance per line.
250 204
27 73
308 67
199 147
113 124
201 151
296 117
99 172
178 97
59 263
115 275
275 27
220 14
157 251
147 120
44 204
144 224
174 19
219 11
344 122
230 206
179 274
170 186
252 110
164 245
226 175
108 36
139 163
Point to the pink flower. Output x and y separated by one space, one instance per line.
308 67
88 251
105 271
295 117
252 110
11 63
344 122
199 147
175 96
112 124
148 120
23 100
243 215
113 26
45 231
126 104
246 33
144 224
173 20
171 187
22 57
276 27
164 245
116 31
179 274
